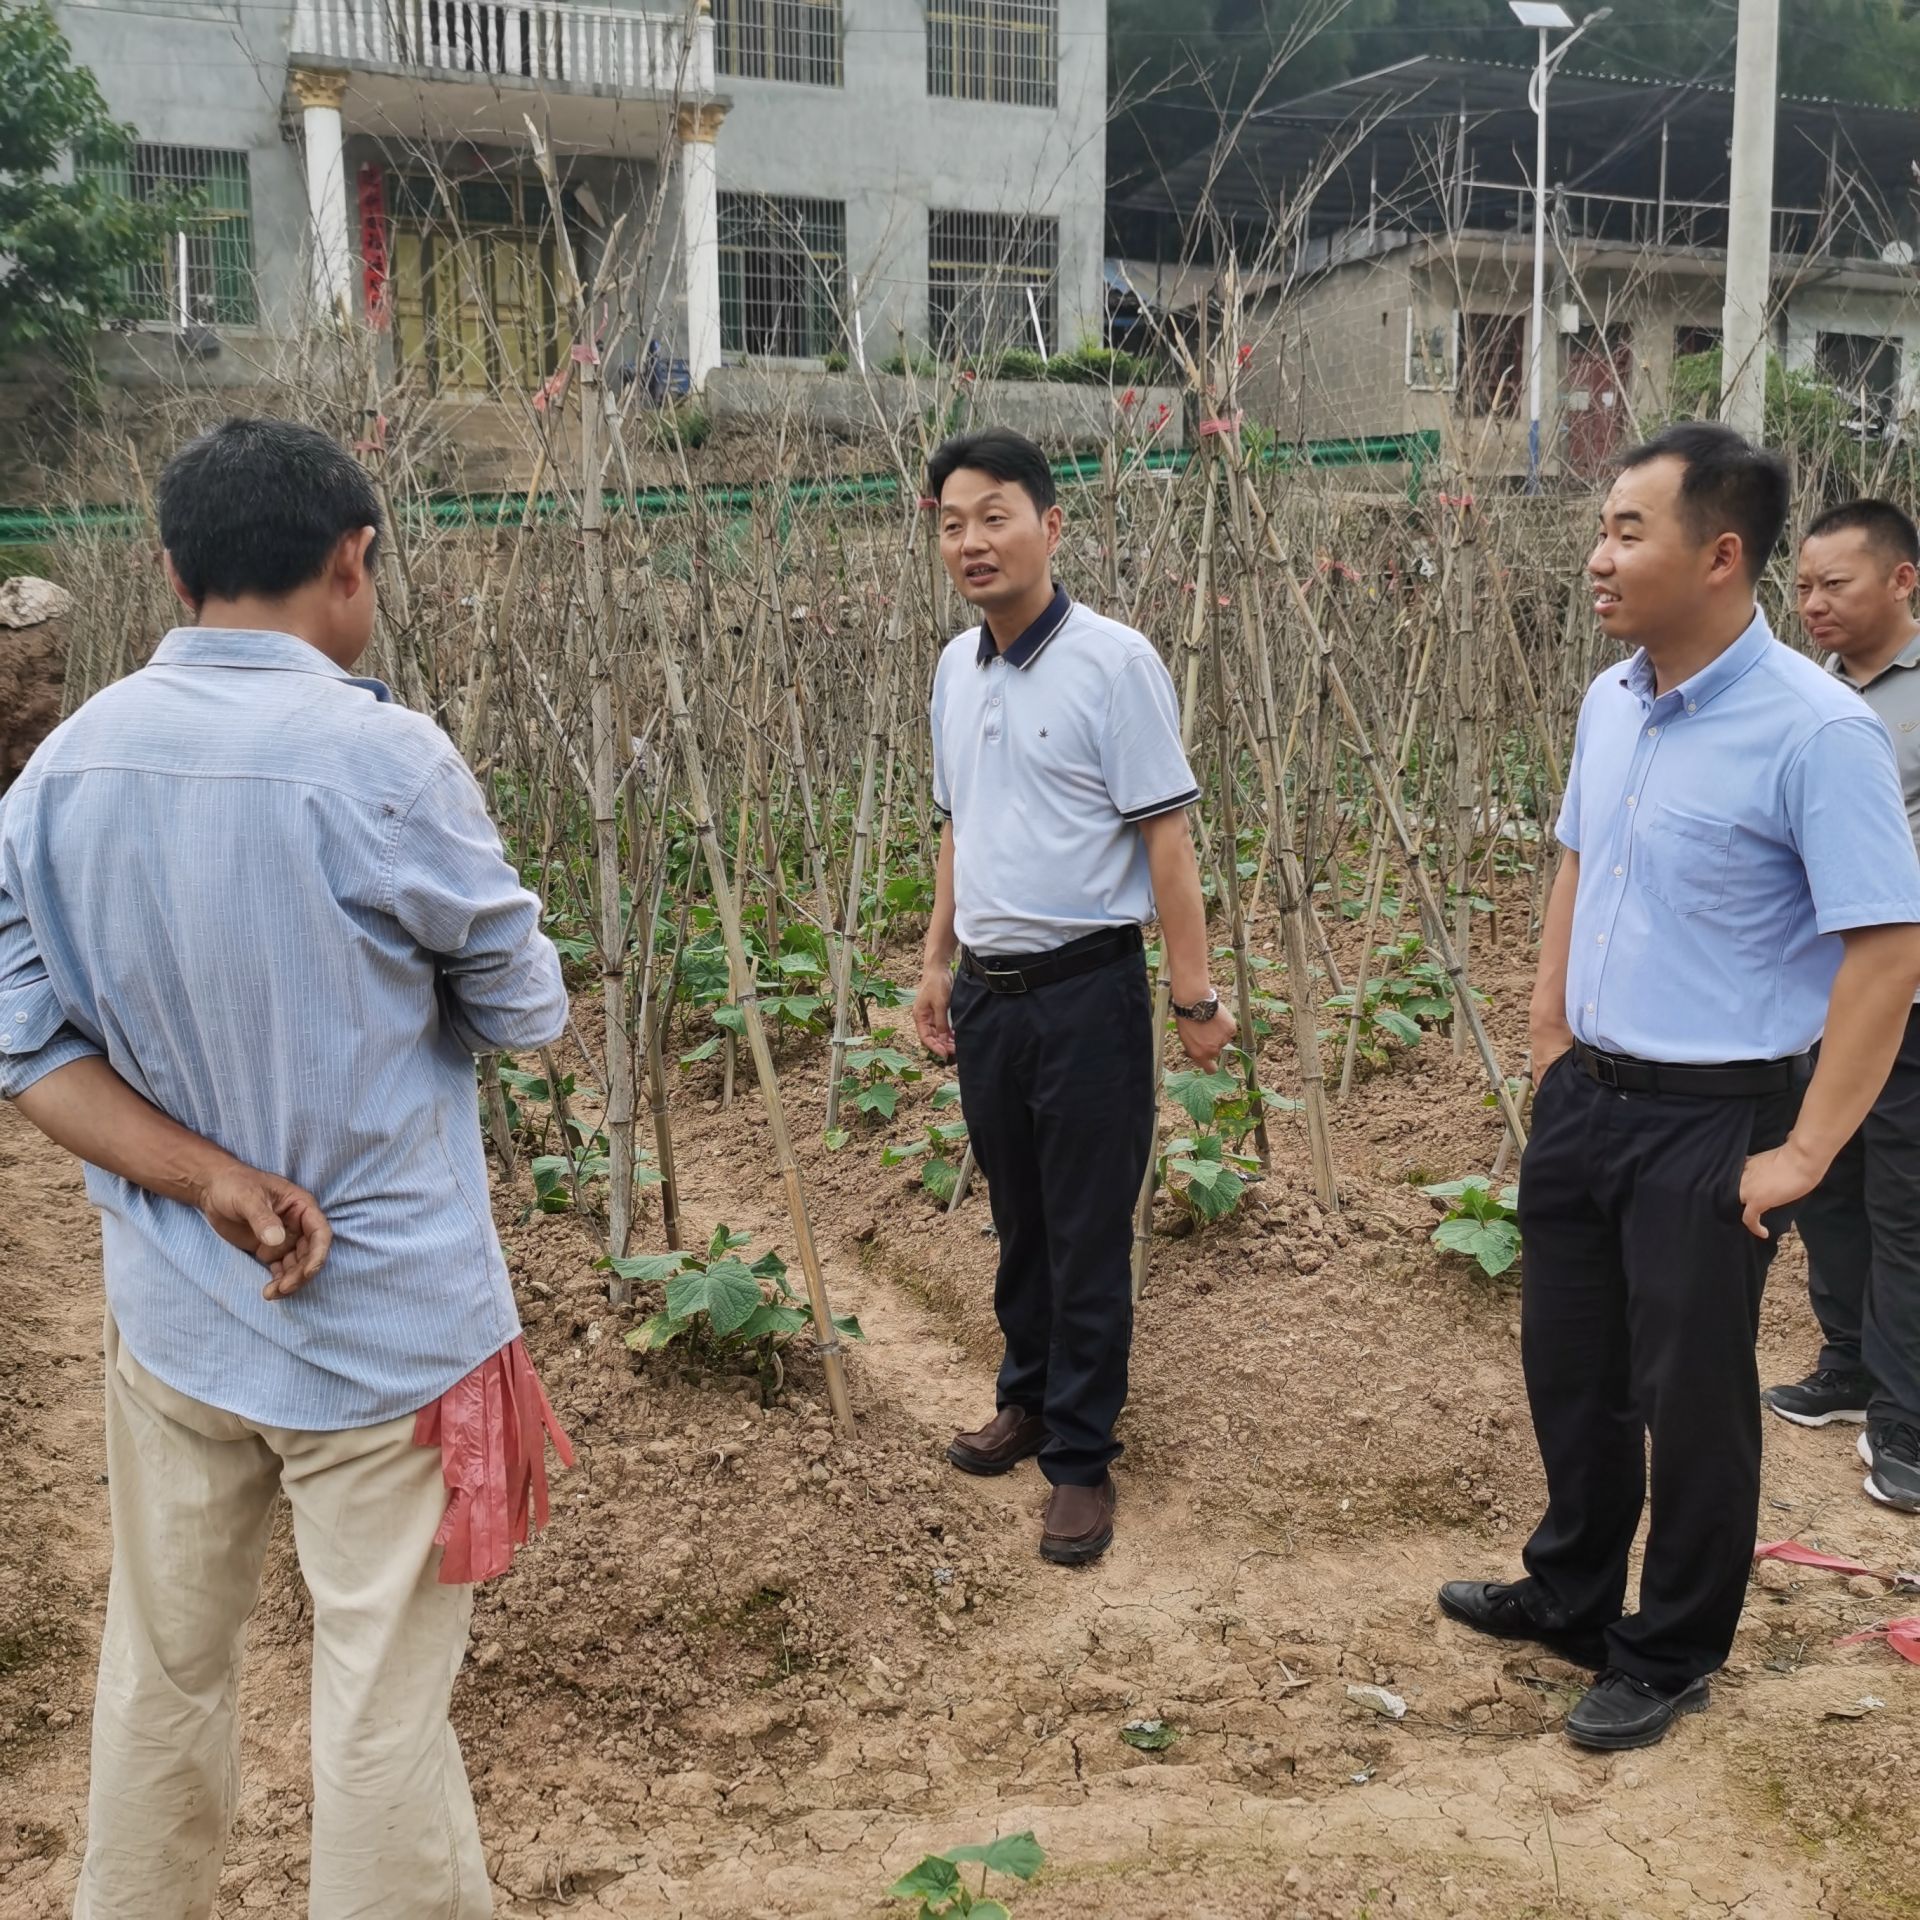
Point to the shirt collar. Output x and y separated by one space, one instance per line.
1908 656
255 648
1027 649
1712 680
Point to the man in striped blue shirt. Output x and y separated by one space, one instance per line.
273 903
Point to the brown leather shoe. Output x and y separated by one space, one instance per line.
1012 1435
1079 1524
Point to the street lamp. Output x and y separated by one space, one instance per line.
1546 17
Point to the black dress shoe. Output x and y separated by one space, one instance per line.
1500 1608
1620 1711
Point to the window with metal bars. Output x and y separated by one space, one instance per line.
779 40
782 275
989 277
203 274
1002 50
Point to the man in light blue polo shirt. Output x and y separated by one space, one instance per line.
1057 763
1738 875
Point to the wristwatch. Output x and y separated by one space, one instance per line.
1201 1010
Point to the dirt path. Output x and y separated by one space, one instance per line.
756 1671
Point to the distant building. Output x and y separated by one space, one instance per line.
800 183
1401 302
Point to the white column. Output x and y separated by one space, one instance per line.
320 96
1743 352
700 237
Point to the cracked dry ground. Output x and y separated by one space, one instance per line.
757 1670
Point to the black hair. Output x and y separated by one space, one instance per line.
1884 524
1727 485
257 506
997 451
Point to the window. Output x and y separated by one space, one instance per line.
1864 369
1493 368
1004 50
779 40
204 272
1688 342
988 275
472 287
782 272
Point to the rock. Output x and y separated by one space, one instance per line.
1866 1586
28 602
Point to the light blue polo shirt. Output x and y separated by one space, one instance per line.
1728 832
1045 759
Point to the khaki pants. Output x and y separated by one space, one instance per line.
394 1833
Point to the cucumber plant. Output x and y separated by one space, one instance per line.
720 1305
943 1893
939 1168
1204 1171
1480 1223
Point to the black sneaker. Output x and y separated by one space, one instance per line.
1500 1608
1892 1452
1825 1395
1620 1711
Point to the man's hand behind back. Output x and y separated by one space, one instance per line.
279 1224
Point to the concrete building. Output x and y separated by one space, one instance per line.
1398 299
781 180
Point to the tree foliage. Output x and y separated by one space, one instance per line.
65 245
1222 51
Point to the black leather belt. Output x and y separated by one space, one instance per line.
1021 973
1734 1080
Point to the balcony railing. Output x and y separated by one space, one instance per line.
609 47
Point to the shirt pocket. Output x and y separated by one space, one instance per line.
1684 859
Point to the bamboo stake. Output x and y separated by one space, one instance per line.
826 1335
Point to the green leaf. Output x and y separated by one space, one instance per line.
705 1051
653 1333
887 1059
1425 1007
881 1099
770 1319
1017 1855
947 1094
989 1910
1392 1020
836 1138
1199 1092
940 1177
1213 1190
892 1156
650 1268
731 1018
724 1290
1495 1244
1453 1189
1150 1736
932 1877
849 1324
529 1086
770 1267
800 965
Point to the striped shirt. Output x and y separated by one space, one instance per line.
275 902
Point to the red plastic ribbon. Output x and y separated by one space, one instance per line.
1903 1636
491 1429
1224 423
1799 1556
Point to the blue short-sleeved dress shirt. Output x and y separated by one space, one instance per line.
1729 831
275 902
1046 758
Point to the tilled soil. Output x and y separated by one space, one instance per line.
756 1669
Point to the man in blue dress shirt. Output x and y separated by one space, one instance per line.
1738 876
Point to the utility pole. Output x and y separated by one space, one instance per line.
1743 328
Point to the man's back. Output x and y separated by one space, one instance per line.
277 905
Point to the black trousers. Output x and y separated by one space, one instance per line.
1057 1089
1862 1229
1640 1304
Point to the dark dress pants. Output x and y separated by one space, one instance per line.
1057 1089
1640 1303
1861 1226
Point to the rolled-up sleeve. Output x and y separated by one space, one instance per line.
454 892
1141 758
35 1035
1849 824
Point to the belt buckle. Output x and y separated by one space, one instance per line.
991 976
1605 1070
